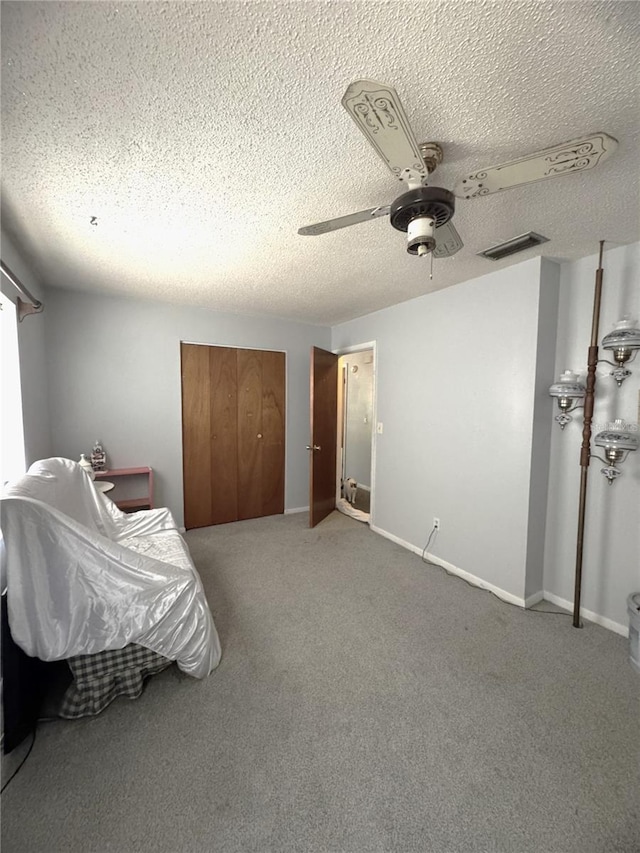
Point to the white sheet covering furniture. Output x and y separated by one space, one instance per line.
84 577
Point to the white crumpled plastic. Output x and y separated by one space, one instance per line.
84 577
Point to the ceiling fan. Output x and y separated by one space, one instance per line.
424 212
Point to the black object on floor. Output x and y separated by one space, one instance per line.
26 682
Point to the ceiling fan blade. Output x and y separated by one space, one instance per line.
343 221
376 109
575 156
448 241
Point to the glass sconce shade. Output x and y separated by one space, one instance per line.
566 390
567 386
623 340
617 442
617 437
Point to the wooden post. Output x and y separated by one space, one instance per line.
585 450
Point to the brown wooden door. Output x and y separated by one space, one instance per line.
249 433
324 434
233 415
223 469
196 431
273 432
261 430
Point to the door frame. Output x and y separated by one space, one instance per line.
370 345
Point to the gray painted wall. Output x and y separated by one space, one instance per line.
543 424
114 374
456 391
612 538
462 384
33 357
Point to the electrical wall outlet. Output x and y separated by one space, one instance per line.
436 523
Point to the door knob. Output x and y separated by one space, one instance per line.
259 435
315 447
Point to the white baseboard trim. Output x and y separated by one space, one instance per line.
590 615
396 539
534 599
596 618
296 509
472 579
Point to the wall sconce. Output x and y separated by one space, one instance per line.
618 441
567 390
624 340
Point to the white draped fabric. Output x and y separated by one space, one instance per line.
84 577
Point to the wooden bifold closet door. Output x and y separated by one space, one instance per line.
233 433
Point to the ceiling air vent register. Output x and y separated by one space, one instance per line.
516 244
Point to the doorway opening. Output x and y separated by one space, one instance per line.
354 456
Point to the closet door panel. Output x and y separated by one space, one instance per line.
273 431
196 429
224 434
250 436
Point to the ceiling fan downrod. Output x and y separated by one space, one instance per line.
431 154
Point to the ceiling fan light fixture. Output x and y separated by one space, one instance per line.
420 236
419 212
516 244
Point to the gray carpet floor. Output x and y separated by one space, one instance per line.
365 702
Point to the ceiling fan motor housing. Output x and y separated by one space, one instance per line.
420 212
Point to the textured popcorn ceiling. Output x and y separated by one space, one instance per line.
203 135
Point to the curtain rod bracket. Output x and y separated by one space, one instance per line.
31 305
26 308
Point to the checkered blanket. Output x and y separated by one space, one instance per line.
98 679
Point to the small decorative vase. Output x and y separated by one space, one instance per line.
84 463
